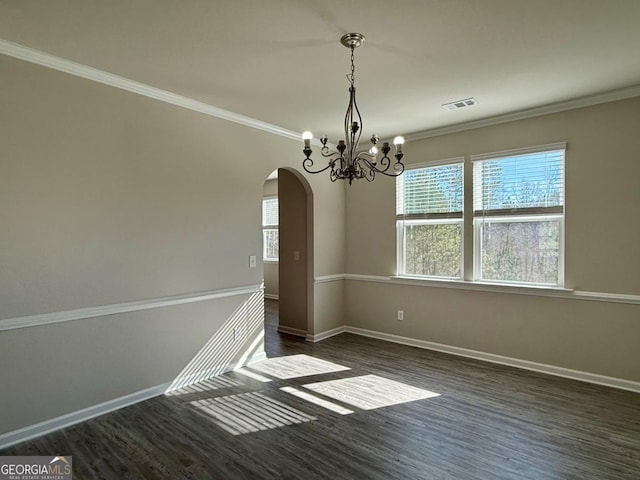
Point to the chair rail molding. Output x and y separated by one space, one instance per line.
114 309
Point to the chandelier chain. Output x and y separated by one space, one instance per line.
353 67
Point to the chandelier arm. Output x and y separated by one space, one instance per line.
385 162
307 164
398 169
366 168
325 152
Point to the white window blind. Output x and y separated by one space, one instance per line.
269 212
520 183
430 192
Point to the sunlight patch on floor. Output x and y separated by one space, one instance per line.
254 375
334 407
215 383
294 366
250 412
369 391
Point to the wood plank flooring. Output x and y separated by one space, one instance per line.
488 422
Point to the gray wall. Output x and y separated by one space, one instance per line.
602 234
108 197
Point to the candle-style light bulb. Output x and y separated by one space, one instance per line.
398 142
307 136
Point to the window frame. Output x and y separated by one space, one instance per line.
403 220
524 214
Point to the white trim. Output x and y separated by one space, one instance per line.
368 278
186 380
258 357
272 296
608 297
517 152
292 331
536 290
326 334
512 362
67 66
114 309
588 101
51 425
330 278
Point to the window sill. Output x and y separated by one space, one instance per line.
543 290
535 290
270 261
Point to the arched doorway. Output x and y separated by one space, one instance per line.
295 259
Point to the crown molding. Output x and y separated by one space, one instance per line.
587 101
79 70
38 57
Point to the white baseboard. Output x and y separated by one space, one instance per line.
272 296
48 426
258 357
292 331
512 362
69 419
326 334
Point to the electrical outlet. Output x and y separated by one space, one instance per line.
296 255
252 261
401 315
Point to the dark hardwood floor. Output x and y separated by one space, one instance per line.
488 422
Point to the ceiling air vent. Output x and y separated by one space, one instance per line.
467 102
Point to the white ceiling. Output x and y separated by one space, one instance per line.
280 61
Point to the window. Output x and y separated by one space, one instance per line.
518 210
429 205
270 229
517 218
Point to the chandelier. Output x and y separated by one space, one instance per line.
346 162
